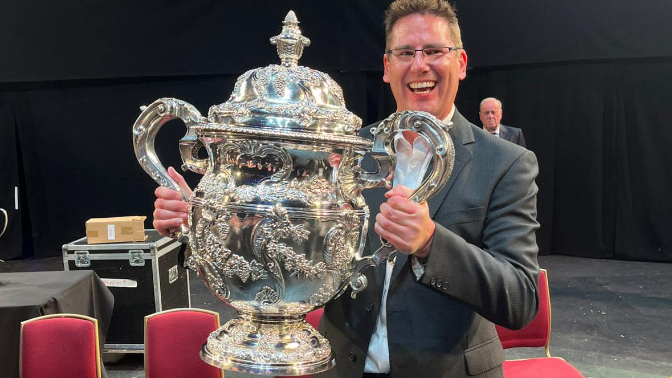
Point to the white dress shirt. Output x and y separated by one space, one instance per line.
409 161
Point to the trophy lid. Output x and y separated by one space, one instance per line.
288 98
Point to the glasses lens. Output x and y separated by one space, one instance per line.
434 53
405 55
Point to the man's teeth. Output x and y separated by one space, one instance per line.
423 86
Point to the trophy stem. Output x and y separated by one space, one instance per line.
268 345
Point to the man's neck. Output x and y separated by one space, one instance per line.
450 115
495 131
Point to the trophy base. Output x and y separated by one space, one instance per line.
274 346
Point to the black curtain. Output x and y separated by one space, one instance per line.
11 190
600 135
585 81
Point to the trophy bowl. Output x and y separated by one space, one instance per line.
277 224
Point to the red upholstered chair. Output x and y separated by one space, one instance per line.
60 346
313 317
537 334
173 341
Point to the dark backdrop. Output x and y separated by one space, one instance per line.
586 81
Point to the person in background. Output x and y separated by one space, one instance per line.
490 113
468 256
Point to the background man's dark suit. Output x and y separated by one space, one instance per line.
481 266
512 134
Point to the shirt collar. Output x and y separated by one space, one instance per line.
449 118
496 130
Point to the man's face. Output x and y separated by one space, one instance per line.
418 85
491 115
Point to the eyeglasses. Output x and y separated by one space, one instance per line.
431 54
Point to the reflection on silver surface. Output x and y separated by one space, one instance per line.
6 222
278 223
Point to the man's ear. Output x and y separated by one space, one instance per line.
463 64
386 72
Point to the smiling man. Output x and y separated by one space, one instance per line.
468 256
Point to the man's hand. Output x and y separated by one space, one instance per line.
170 211
404 223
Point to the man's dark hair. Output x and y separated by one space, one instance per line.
439 8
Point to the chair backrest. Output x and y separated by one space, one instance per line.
537 333
60 346
173 341
313 317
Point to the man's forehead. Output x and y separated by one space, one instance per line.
433 27
491 102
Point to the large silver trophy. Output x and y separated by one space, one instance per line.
278 223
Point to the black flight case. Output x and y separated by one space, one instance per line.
145 277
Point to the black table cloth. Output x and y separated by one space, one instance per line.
30 294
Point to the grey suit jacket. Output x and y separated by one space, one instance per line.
482 269
512 134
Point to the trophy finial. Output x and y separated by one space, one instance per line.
290 42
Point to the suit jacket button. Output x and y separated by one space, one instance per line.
352 356
445 286
438 283
368 306
433 281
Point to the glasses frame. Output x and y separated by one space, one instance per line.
424 56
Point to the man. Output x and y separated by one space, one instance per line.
468 256
490 114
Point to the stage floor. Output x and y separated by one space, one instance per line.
610 318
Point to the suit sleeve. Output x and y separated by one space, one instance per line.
499 279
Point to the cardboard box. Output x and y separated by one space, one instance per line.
116 230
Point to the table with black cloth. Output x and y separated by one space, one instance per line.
27 295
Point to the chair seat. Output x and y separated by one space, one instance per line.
542 367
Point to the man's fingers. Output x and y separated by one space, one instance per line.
172 205
180 181
391 226
162 214
399 190
167 193
394 239
395 215
163 226
405 205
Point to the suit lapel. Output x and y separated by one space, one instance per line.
461 135
399 263
504 133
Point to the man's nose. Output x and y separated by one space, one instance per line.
419 63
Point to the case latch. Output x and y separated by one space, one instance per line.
82 259
135 257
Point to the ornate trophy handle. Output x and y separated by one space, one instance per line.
144 134
443 158
4 228
425 124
